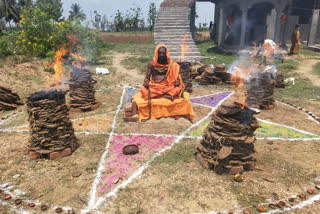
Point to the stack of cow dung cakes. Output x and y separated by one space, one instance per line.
8 99
82 92
260 93
227 145
185 72
205 75
52 134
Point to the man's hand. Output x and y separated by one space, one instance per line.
146 83
177 84
168 96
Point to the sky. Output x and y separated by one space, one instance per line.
205 10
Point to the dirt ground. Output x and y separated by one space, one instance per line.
174 182
305 69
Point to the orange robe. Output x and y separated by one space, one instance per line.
163 107
295 40
166 86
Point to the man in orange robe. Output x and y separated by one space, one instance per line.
162 94
163 78
295 41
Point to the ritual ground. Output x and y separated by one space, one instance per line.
165 176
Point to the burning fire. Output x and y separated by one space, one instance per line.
55 81
250 66
184 48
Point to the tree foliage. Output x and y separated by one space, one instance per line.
52 7
76 12
152 15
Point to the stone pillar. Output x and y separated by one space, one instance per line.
283 33
271 24
193 18
277 26
217 20
314 27
243 28
221 26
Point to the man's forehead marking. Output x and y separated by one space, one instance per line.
162 49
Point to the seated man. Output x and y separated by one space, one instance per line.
162 94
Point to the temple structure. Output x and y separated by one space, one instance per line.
241 22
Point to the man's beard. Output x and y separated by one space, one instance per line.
162 60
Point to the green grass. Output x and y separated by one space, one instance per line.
139 63
304 51
209 49
179 153
316 69
302 89
288 65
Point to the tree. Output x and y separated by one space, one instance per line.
104 23
52 7
9 11
152 15
97 20
76 12
24 3
119 21
137 14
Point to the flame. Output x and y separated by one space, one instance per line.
184 48
79 60
60 59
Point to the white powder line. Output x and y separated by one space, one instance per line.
288 127
14 209
146 165
210 95
10 117
101 167
93 133
166 135
309 117
288 139
14 130
297 206
155 135
314 120
6 189
198 104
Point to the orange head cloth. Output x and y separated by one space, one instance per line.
155 63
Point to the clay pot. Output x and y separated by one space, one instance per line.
18 201
291 199
246 212
261 209
282 203
59 210
44 207
310 191
32 204
272 206
303 196
7 197
131 149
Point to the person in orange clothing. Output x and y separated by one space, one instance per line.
295 40
162 94
163 78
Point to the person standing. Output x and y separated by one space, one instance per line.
295 40
211 30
